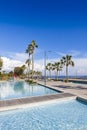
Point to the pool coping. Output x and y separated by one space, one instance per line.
79 97
17 103
29 101
82 99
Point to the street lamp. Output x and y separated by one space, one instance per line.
45 56
45 67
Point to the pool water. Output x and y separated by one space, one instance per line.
13 89
64 115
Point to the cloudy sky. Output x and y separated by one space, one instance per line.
56 26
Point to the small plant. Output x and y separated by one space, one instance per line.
66 81
31 81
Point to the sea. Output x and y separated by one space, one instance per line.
71 77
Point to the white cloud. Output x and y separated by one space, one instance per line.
12 60
60 53
9 64
81 66
20 56
15 55
74 53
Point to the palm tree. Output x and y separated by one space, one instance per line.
33 46
58 67
38 74
67 60
49 68
28 62
1 63
53 68
29 50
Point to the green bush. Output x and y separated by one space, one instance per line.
30 81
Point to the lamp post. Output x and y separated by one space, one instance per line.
76 74
45 67
45 56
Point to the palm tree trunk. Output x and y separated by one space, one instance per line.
57 75
32 64
49 74
67 73
28 71
29 67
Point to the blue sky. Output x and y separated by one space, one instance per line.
56 25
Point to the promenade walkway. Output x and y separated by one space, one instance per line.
23 102
73 88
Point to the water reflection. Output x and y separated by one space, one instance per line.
13 89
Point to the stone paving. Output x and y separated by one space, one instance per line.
73 88
19 103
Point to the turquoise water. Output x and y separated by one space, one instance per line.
11 90
65 115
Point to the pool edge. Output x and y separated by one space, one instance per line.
38 100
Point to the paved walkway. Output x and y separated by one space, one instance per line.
5 104
73 88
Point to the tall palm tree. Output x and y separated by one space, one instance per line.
33 46
53 68
29 50
67 60
1 63
49 68
57 67
28 62
38 74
